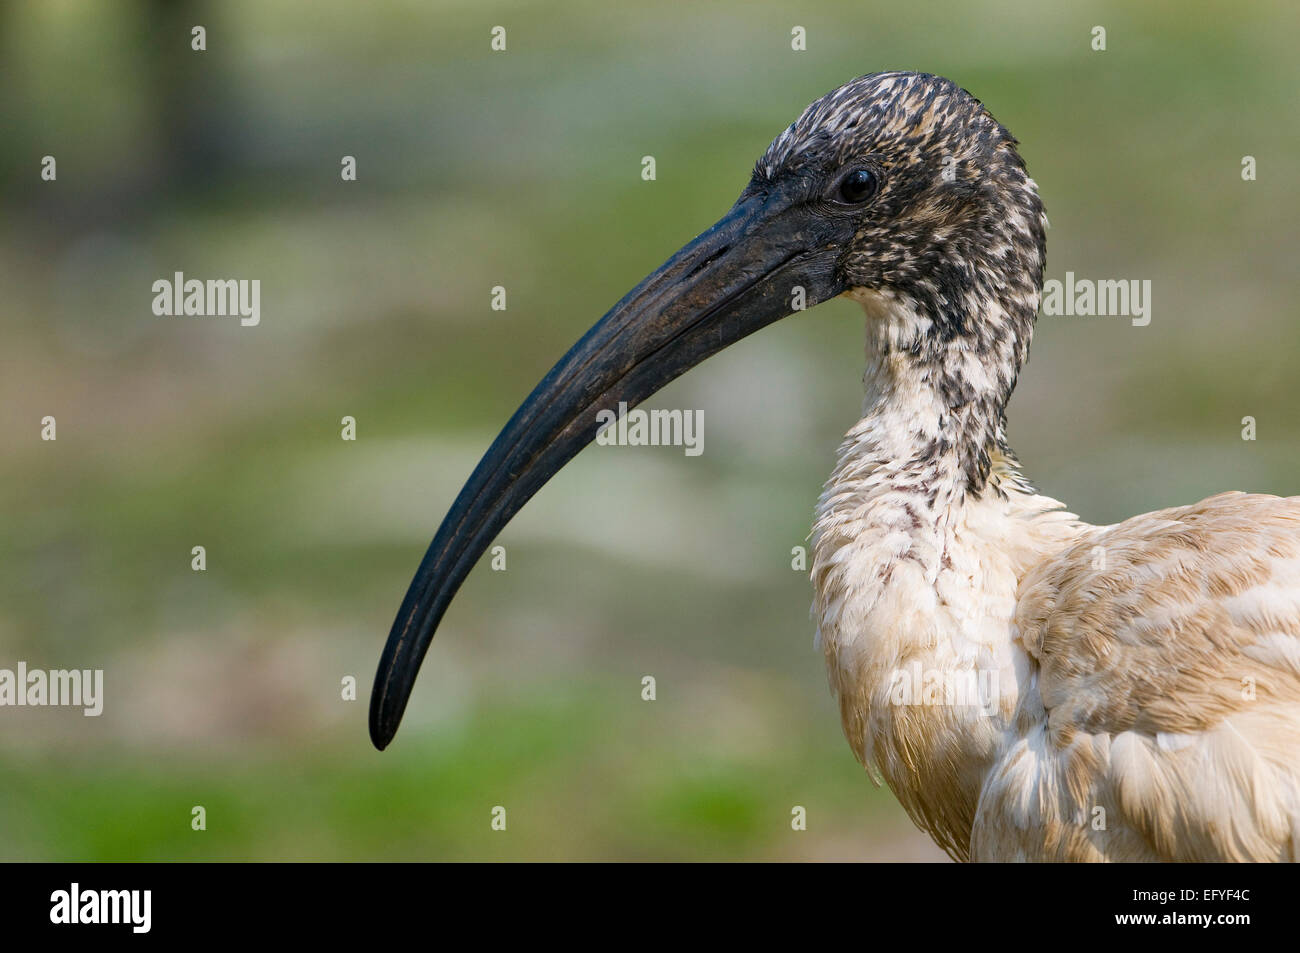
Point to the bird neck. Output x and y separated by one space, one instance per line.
934 414
928 450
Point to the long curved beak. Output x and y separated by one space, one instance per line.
740 275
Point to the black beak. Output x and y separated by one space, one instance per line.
740 275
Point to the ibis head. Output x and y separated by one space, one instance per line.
895 186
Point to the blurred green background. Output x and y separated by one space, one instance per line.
522 169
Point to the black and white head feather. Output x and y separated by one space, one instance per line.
955 235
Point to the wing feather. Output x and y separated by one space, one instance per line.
1168 674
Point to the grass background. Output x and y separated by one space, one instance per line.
523 169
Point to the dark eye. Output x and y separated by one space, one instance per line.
858 186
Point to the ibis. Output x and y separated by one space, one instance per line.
1030 686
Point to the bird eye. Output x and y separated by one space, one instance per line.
858 186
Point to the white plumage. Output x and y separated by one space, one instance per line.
1147 674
